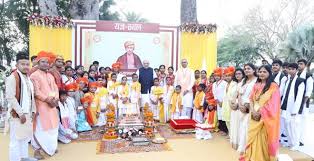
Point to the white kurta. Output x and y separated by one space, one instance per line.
234 122
185 78
219 92
281 82
197 114
167 99
154 108
308 93
103 102
112 89
244 94
72 111
135 98
20 134
123 107
66 80
292 123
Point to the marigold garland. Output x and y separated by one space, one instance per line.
198 28
49 21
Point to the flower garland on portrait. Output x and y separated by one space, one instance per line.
49 21
198 28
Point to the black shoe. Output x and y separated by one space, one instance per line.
282 135
301 144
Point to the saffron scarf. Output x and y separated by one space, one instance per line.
158 92
199 96
176 99
268 104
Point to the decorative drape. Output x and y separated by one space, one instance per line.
200 49
56 40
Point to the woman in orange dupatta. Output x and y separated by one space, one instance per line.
263 134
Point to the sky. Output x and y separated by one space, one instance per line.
224 13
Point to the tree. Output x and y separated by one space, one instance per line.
84 9
105 14
48 7
188 11
300 44
133 17
271 27
237 48
14 27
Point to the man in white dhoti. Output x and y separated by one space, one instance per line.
302 73
185 78
280 78
292 106
46 97
20 97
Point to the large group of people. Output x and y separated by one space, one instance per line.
256 108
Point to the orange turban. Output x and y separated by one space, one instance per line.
116 65
218 71
93 84
71 87
128 43
229 70
43 55
82 79
52 57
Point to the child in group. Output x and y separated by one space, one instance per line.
135 95
112 87
210 104
82 85
81 123
71 90
198 103
176 103
123 96
66 131
157 102
168 91
93 110
102 95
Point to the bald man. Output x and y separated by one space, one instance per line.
185 78
146 78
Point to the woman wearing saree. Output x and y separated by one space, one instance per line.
264 124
